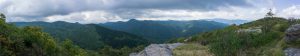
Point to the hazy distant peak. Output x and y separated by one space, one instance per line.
227 21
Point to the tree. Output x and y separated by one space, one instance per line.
270 13
73 50
2 16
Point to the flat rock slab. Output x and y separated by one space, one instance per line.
157 50
292 52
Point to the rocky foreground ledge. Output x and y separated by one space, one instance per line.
157 50
292 39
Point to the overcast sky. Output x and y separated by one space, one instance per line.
100 11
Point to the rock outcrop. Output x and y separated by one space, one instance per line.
293 34
157 50
292 38
292 52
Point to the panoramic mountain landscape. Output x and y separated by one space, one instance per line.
149 28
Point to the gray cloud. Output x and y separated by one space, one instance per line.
133 8
37 9
178 4
43 8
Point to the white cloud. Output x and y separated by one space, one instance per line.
226 13
44 8
86 17
155 14
293 11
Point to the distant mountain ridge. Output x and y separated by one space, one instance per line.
88 36
228 21
161 31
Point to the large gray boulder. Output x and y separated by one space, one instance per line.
292 39
293 35
157 50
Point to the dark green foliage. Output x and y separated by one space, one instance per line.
176 40
31 41
160 31
72 50
2 16
125 51
82 35
118 39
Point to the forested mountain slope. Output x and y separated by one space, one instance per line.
92 37
161 31
31 41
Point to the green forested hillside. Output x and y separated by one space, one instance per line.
89 36
257 38
118 39
92 37
31 41
160 31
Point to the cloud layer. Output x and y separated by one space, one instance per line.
99 11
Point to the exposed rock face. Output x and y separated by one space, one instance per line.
157 50
293 34
292 38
